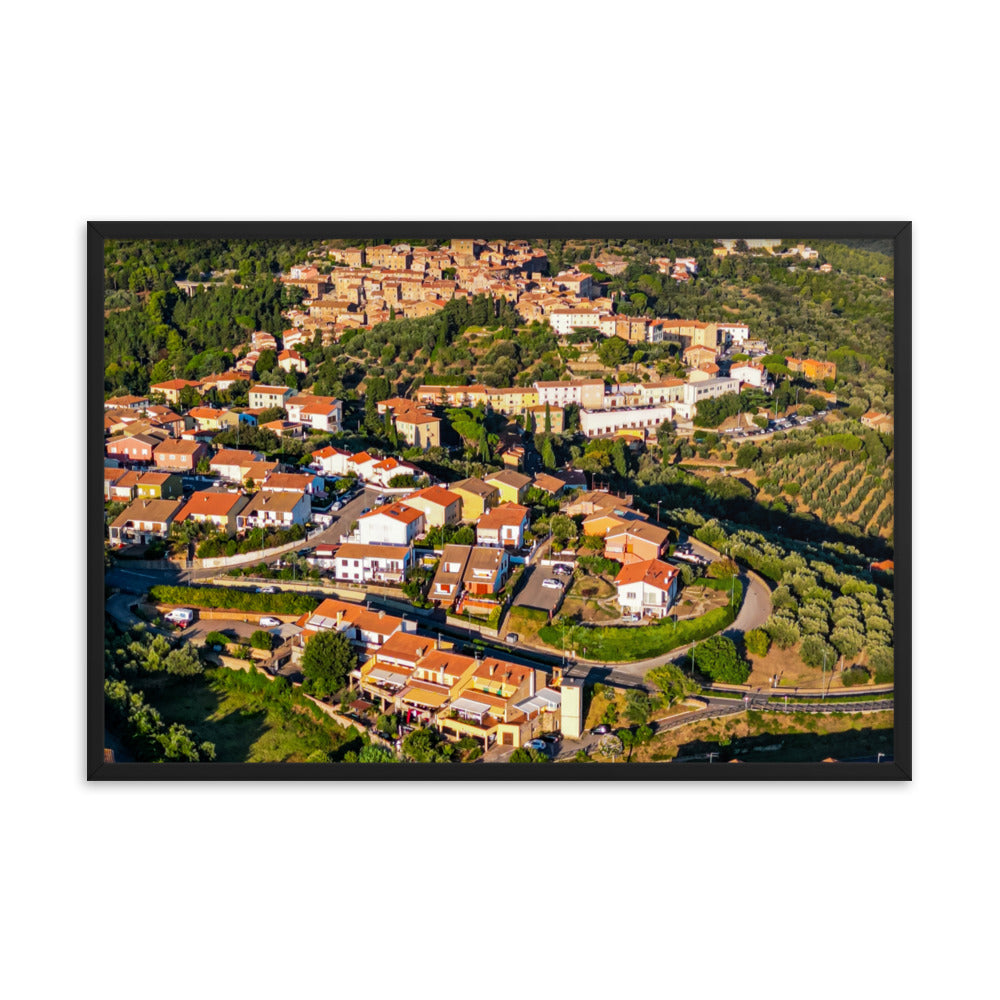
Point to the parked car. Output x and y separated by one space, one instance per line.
562 570
601 729
268 621
552 583
631 618
366 510
551 737
180 616
266 590
336 505
512 637
537 745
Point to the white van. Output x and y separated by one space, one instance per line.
181 616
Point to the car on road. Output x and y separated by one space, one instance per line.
336 505
512 637
537 745
632 618
601 729
268 621
366 510
551 737
562 570
265 590
552 583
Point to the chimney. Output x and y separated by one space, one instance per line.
493 669
531 682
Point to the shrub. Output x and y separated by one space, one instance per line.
757 641
261 640
854 676
216 639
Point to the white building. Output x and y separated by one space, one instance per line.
597 423
323 413
647 588
586 392
394 524
279 509
331 461
710 388
564 321
747 371
360 563
734 333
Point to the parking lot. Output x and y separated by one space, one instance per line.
534 593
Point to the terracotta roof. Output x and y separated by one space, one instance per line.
548 483
397 512
359 550
473 485
147 510
178 447
270 390
234 456
212 503
506 515
509 478
436 495
174 383
653 572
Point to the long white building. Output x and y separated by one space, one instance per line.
598 423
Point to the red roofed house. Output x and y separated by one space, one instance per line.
331 461
635 541
133 448
232 463
393 524
699 355
503 526
292 361
322 413
293 482
181 455
385 471
647 588
263 397
171 390
215 507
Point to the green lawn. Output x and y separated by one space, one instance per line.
245 725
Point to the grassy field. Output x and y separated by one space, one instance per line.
789 738
244 726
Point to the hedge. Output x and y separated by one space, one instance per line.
236 600
615 644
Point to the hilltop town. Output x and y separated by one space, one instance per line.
431 488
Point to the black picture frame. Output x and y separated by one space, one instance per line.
899 768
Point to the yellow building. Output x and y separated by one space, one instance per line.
513 486
477 497
512 401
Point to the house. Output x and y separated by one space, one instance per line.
877 421
451 395
143 520
276 509
215 507
628 421
393 524
418 428
289 360
699 355
437 675
284 428
120 485
172 389
133 447
163 418
636 541
477 497
331 461
587 392
322 413
232 463
594 501
548 484
264 397
293 482
749 372
812 369
158 485
385 471
513 486
257 472
127 402
222 382
362 464
485 570
503 525
647 588
546 413
447 583
512 401
439 506
207 418
386 672
366 629
181 455
382 563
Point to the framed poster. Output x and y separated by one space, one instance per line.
494 501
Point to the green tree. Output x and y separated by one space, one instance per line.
184 661
326 663
674 685
548 454
638 707
426 746
611 746
613 352
718 659
748 454
261 640
375 753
